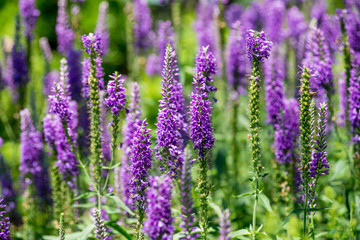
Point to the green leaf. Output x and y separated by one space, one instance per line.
109 168
216 208
244 195
119 229
83 235
266 202
85 195
121 204
240 232
295 211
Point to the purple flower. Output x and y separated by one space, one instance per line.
102 28
206 27
236 62
233 14
159 223
142 26
171 120
254 16
30 148
92 44
274 70
200 110
133 121
257 45
319 164
296 24
100 230
317 57
352 24
5 224
287 133
18 68
225 225
275 11
116 98
318 11
65 35
30 14
74 63
45 48
354 95
153 65
55 137
105 133
165 36
59 100
140 160
187 218
342 114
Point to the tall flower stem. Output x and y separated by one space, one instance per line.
204 192
254 134
305 139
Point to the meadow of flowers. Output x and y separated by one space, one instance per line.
179 119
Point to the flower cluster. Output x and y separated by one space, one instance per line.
352 24
236 62
317 57
30 14
257 45
171 118
188 223
225 225
200 110
354 99
92 44
102 28
100 230
287 133
74 63
140 160
65 35
274 78
133 121
319 164
274 20
116 97
56 139
5 224
159 223
142 25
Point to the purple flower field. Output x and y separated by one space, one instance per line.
179 120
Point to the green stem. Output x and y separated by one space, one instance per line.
255 205
204 191
305 212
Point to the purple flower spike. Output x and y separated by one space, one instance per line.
258 47
354 97
5 224
164 38
236 62
140 164
352 24
30 14
159 223
116 97
45 48
274 78
92 43
133 121
287 133
100 230
319 164
65 35
171 120
102 27
56 139
200 110
225 225
30 148
342 114
188 222
142 26
274 19
59 100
